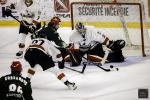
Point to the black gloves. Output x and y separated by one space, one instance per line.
116 45
8 12
32 28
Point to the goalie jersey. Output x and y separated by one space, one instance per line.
90 38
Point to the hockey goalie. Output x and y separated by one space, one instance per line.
90 41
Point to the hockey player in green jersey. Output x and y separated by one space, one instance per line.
52 35
51 32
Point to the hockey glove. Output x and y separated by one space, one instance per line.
8 12
116 45
61 64
32 28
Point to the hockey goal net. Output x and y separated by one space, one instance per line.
117 21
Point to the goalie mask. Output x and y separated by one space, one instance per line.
80 28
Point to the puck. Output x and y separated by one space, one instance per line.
117 69
111 66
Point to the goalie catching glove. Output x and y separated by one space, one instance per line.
116 45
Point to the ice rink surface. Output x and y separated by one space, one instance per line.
94 84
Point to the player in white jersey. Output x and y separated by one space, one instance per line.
29 14
41 51
89 40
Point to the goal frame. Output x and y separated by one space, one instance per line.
140 12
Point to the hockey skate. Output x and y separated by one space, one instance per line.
19 54
70 85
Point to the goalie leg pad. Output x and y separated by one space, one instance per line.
67 58
76 58
94 58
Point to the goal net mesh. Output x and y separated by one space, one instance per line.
123 20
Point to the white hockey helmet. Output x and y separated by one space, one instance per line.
80 28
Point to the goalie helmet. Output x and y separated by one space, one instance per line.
80 28
16 67
55 22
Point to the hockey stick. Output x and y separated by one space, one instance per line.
84 63
21 22
82 71
99 65
96 64
15 18
73 56
103 62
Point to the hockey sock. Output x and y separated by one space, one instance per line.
60 75
31 72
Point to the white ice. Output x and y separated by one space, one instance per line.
94 84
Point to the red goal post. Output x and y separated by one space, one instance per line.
76 16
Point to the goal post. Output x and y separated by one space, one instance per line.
106 16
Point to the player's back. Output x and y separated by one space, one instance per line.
41 44
46 46
12 87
